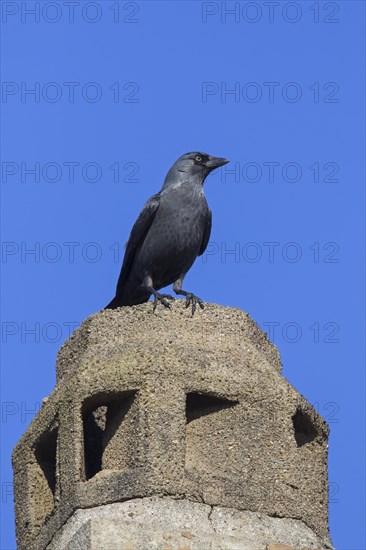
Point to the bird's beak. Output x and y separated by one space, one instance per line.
215 162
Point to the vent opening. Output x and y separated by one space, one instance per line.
200 404
46 453
210 429
109 421
42 474
304 428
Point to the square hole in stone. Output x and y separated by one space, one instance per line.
43 477
110 421
304 429
210 429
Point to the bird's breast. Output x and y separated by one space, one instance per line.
174 239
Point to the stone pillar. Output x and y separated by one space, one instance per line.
172 432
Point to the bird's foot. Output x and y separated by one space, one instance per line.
167 296
163 299
192 299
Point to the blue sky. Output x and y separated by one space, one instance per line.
99 101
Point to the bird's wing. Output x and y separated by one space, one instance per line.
207 233
137 236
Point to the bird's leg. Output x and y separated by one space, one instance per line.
148 285
159 297
190 298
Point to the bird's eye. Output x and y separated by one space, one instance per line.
198 158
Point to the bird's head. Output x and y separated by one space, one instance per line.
193 166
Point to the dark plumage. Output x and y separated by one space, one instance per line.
172 229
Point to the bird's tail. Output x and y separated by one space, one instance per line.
116 302
128 299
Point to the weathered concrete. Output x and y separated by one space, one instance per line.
164 523
218 331
167 404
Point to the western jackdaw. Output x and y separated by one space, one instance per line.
172 229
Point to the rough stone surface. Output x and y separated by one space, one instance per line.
166 404
164 523
216 330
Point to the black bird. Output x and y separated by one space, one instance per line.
172 229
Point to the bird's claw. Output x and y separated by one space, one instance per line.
194 300
167 296
163 299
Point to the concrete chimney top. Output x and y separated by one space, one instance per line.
172 432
